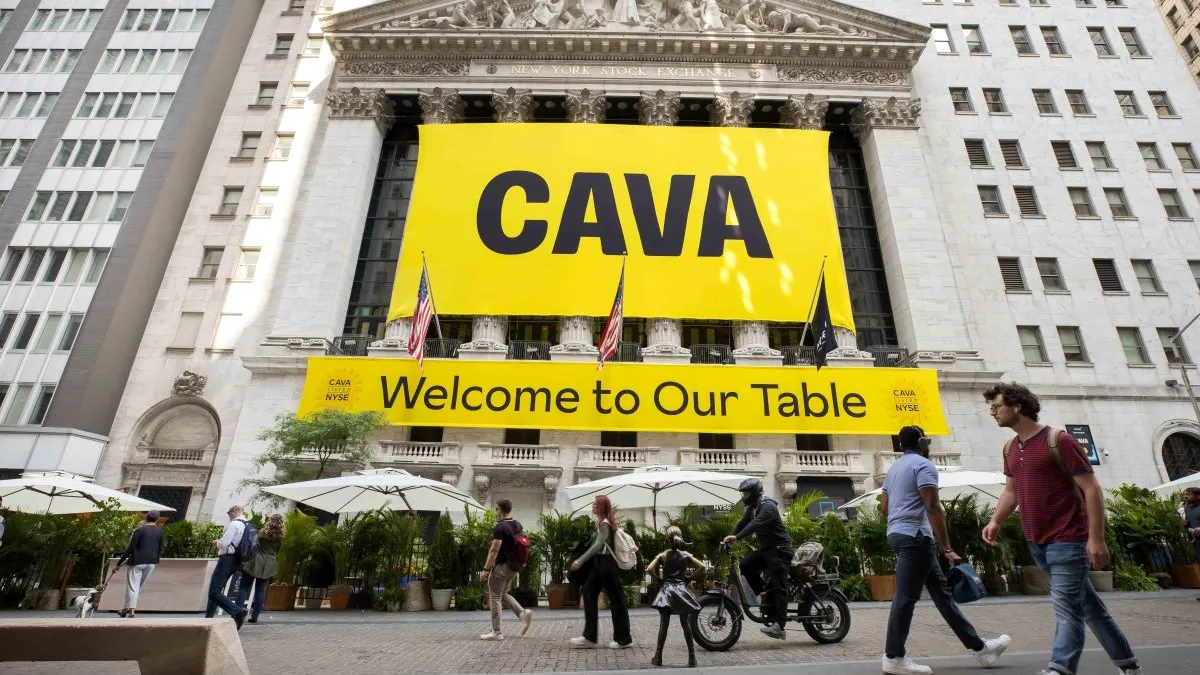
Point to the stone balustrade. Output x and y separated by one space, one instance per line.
419 452
942 460
734 461
514 454
810 462
609 457
175 454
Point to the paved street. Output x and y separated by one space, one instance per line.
371 643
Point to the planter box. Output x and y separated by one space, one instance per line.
996 584
280 598
176 585
416 596
556 595
883 588
440 598
526 597
1102 581
339 598
313 597
1187 575
1034 581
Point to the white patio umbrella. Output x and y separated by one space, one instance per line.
56 493
951 484
656 487
1167 489
381 489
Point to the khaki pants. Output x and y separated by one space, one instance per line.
137 577
500 582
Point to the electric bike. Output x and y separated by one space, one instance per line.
820 607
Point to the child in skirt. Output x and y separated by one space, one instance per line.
674 596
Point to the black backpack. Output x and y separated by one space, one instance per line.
248 546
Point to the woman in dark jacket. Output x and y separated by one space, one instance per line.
604 576
260 568
142 553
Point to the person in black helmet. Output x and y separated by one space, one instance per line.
774 552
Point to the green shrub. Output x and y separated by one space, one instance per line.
444 565
469 598
854 586
835 537
870 529
1133 578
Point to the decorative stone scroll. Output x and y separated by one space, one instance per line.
189 384
840 76
585 106
440 106
354 103
889 113
659 109
365 68
513 105
806 112
732 109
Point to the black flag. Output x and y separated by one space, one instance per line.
822 326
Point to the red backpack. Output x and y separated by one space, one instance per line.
520 553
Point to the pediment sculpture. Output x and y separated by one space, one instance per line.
189 384
749 16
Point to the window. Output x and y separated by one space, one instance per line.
264 206
266 93
298 95
296 5
1027 202
1151 157
249 145
1064 154
1106 272
974 40
312 46
97 268
33 264
49 330
1114 3
75 269
716 441
57 258
25 334
210 261
325 6
1162 104
1031 344
247 264
1133 43
1082 202
45 394
1072 344
989 196
283 146
229 328
17 408
1128 103
188 330
162 105
1175 352
229 201
976 153
1078 102
1131 342
1052 281
1117 203
1054 43
995 101
1045 102
9 319
1011 151
1100 42
283 45
1191 48
1021 41
1011 274
1173 18
11 264
1171 204
120 207
1147 278
1194 265
1099 154
1187 158
67 341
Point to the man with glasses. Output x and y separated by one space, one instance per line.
227 565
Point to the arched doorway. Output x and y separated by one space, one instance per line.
1181 455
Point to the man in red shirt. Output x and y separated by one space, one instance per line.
1062 514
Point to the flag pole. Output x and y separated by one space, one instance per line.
813 305
437 323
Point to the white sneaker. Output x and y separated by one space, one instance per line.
1136 670
492 635
617 645
904 666
992 649
582 642
526 619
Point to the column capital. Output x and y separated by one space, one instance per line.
586 106
885 113
440 106
732 109
354 103
512 105
659 108
805 112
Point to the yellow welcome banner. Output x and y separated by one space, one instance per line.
535 219
633 397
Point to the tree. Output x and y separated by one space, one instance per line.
311 447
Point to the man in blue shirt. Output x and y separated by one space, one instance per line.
914 515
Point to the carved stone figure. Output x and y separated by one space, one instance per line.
750 17
711 18
189 384
626 12
787 21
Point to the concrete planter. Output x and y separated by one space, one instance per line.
416 597
440 598
177 585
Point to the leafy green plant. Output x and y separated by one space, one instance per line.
1012 536
296 548
835 537
854 586
394 595
1127 577
870 529
557 536
333 542
800 525
473 538
108 531
469 598
1142 523
444 566
633 595
383 544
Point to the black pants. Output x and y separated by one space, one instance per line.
775 562
605 577
227 566
917 566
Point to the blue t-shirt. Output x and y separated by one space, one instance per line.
906 510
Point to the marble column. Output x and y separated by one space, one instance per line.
586 106
663 335
324 242
489 334
731 110
926 304
805 112
438 106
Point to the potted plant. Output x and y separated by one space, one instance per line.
835 536
333 540
393 598
871 531
558 536
294 550
469 598
530 580
443 563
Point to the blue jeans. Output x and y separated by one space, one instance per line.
1075 601
260 593
226 567
917 566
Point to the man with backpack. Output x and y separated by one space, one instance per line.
1062 513
238 543
508 555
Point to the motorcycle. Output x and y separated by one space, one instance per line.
820 607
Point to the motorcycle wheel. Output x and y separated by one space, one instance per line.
837 624
713 633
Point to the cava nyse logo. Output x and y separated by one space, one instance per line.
341 390
906 402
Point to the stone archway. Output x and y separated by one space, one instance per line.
1181 455
173 452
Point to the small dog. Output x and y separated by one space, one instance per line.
87 603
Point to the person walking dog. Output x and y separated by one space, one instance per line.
142 553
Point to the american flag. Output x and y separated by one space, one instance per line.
610 338
422 315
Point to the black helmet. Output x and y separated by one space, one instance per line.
751 490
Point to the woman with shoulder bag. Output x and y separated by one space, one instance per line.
604 576
260 568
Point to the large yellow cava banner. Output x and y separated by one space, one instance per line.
642 397
536 219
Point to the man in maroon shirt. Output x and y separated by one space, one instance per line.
1062 514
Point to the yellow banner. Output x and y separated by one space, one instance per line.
534 219
635 396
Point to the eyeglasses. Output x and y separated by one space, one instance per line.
994 408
